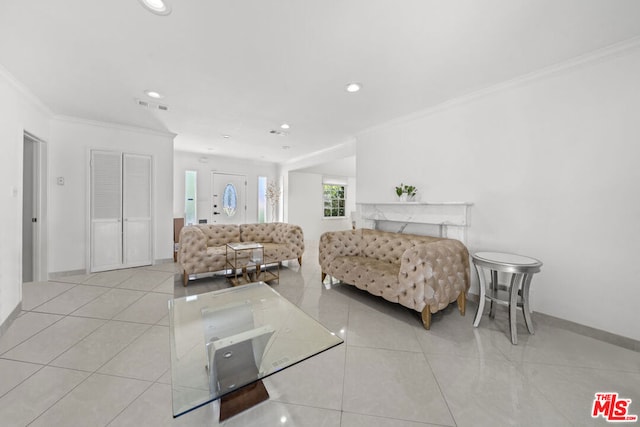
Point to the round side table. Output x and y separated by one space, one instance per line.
521 270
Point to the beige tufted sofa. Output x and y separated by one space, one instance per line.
423 273
202 247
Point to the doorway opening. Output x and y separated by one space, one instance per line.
34 196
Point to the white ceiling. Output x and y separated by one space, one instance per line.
242 67
344 167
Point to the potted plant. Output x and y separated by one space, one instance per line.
406 192
400 190
411 191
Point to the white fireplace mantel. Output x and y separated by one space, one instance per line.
449 219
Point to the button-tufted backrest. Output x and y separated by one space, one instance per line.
262 233
290 235
389 247
220 234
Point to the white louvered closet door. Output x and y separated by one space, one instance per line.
121 219
106 210
137 210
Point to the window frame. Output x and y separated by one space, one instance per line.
194 173
334 199
262 199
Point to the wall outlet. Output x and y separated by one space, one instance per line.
60 180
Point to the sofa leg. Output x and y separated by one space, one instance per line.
426 317
462 302
323 276
300 260
185 278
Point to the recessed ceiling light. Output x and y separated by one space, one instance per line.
285 126
159 7
153 94
286 147
353 87
225 136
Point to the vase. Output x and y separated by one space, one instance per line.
403 197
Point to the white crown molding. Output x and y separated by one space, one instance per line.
37 102
108 125
222 158
17 84
349 147
573 63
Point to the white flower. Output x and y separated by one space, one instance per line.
273 193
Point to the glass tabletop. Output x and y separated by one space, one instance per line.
223 340
506 258
241 246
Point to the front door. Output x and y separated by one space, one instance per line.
229 198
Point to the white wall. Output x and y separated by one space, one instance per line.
184 161
18 112
70 144
330 155
306 205
551 164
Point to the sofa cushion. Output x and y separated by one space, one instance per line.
377 277
389 247
220 235
261 233
274 252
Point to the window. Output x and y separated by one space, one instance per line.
262 199
190 213
229 200
334 200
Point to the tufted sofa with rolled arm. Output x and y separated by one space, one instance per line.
202 247
423 273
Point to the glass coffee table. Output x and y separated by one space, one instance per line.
223 343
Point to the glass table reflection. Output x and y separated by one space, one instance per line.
224 342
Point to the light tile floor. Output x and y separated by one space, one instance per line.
93 350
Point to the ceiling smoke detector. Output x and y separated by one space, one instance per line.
151 105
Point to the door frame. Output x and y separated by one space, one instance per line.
40 258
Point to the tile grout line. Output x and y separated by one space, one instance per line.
67 314
442 394
21 382
520 369
344 373
75 285
129 404
95 372
34 334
